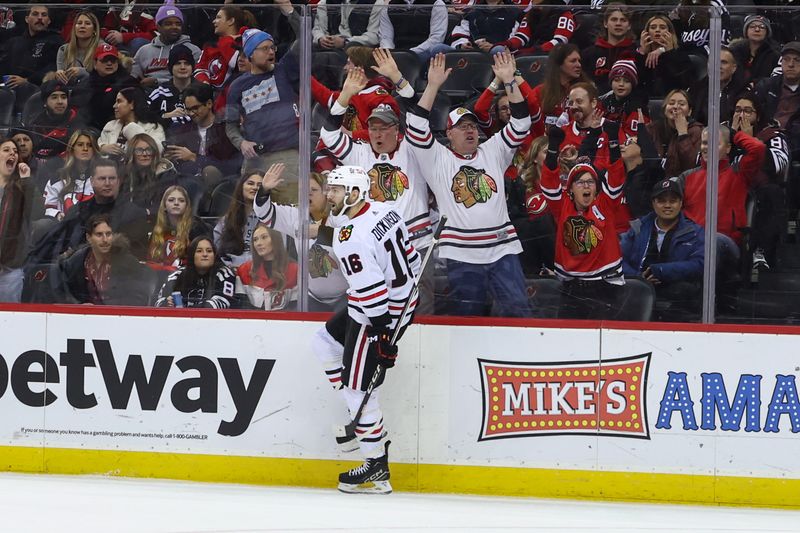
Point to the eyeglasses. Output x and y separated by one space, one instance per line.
143 151
747 110
466 126
755 26
270 48
586 182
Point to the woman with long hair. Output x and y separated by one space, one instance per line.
326 284
676 134
270 279
146 175
132 116
72 184
175 228
233 232
14 210
204 282
228 25
75 59
563 70
662 64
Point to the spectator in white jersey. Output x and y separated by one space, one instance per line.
394 175
479 242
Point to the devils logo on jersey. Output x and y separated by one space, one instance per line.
580 235
472 186
320 263
387 182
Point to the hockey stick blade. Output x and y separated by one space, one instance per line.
347 432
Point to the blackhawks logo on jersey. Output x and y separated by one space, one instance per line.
472 186
345 232
320 263
387 182
581 236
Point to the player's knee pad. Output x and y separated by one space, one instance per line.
330 353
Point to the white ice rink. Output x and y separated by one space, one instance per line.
63 504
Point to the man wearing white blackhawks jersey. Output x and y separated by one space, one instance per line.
479 242
394 176
381 266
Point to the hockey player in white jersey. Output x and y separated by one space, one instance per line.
479 242
394 176
381 266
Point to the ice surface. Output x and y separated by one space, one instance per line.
86 504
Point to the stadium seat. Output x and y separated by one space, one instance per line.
700 66
472 73
409 64
532 68
318 116
32 108
654 107
438 115
636 303
6 107
221 198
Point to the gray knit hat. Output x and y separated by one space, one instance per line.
757 18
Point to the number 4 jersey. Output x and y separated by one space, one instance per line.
380 265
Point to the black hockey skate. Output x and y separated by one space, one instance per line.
370 478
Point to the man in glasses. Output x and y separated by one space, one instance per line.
479 242
201 148
262 110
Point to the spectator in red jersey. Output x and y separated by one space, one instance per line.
588 258
757 52
661 63
676 134
128 29
217 62
615 43
269 280
623 102
562 71
542 29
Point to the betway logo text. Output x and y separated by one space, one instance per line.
196 393
583 398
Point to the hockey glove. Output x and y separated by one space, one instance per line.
555 136
386 351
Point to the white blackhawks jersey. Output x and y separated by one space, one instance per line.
394 179
326 282
470 190
379 262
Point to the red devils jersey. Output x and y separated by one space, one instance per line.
217 63
542 29
587 246
576 135
377 92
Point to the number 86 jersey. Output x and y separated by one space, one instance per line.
379 263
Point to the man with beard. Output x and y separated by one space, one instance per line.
56 121
150 64
30 56
394 175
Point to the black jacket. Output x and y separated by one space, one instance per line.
32 56
95 96
768 92
131 283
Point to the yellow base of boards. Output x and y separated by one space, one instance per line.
491 481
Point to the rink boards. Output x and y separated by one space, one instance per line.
708 415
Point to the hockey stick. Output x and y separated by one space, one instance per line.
346 433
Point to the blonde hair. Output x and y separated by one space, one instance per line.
71 58
530 172
157 239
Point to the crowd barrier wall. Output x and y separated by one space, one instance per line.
701 414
